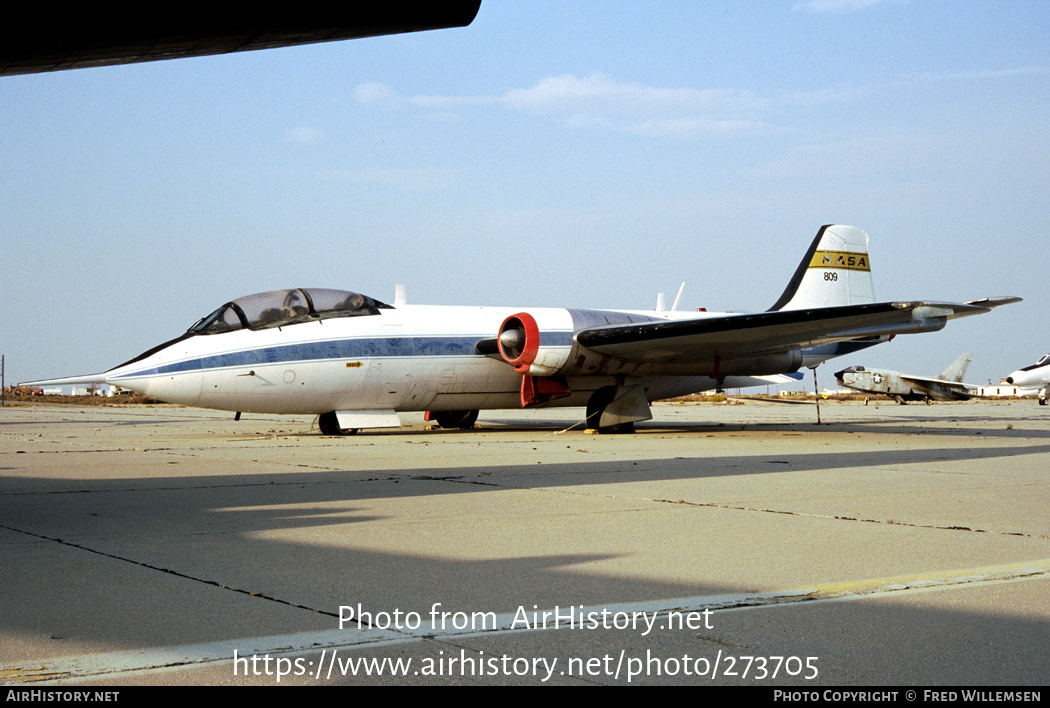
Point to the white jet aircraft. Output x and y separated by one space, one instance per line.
356 362
1035 376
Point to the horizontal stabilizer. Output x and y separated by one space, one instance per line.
782 378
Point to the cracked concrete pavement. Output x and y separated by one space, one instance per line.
888 545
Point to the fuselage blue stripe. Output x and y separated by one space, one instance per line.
365 347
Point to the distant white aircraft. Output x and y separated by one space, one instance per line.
1035 376
947 386
356 362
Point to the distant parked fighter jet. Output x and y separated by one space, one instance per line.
947 386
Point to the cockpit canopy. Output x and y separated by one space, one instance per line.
1042 362
278 308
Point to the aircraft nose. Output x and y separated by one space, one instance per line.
1009 379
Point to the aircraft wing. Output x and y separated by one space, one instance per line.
927 382
38 38
732 336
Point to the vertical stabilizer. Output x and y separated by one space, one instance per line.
836 270
957 370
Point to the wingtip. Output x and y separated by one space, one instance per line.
991 302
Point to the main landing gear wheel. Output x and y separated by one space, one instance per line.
597 404
329 425
464 420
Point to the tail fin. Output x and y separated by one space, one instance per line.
957 370
836 270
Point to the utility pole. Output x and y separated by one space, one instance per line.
816 393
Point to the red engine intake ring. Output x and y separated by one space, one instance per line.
526 323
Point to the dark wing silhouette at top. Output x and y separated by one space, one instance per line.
83 36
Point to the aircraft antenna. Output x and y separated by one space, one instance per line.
678 297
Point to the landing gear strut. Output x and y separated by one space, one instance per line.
599 401
464 420
329 425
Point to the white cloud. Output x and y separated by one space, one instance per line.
816 7
600 101
451 102
406 180
305 134
679 127
377 94
598 94
980 74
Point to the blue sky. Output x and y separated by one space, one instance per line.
582 154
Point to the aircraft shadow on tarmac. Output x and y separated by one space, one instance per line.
134 571
180 555
890 425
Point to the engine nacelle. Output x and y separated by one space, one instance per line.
531 351
779 363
